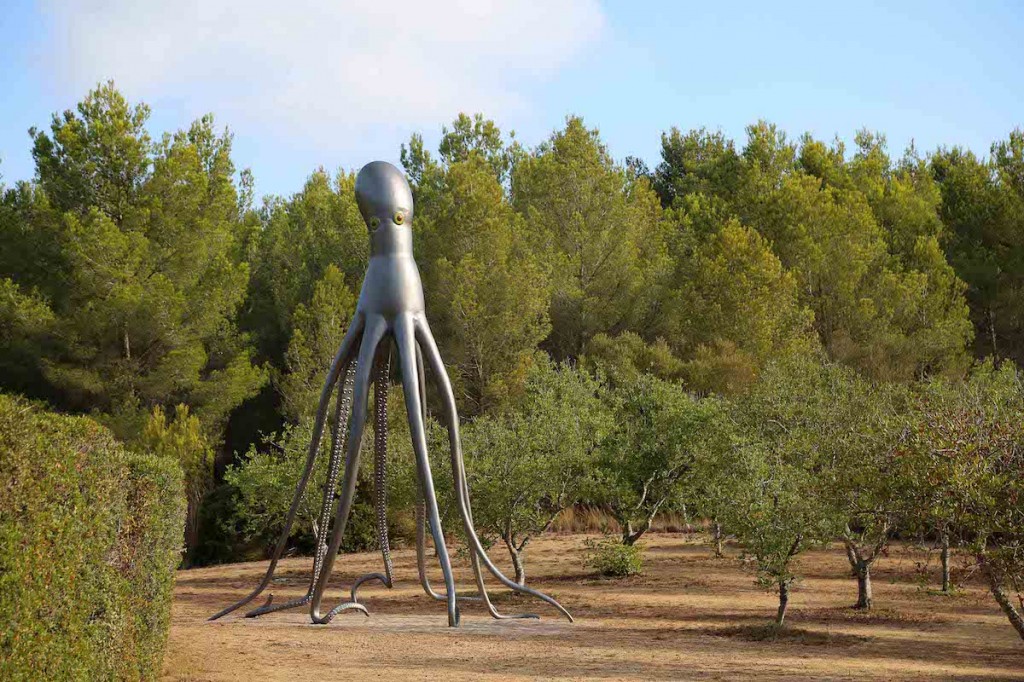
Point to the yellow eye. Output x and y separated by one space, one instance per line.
374 222
399 218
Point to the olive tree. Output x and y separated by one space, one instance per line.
660 431
781 504
777 512
861 432
527 464
967 447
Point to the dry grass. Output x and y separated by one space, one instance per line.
789 635
689 616
587 519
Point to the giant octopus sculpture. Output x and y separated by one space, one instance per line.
390 310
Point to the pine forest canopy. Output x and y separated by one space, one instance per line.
138 272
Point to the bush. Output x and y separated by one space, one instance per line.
181 439
612 558
222 532
90 536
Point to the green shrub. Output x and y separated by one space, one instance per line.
612 558
90 536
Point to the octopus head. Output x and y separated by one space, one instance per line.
383 195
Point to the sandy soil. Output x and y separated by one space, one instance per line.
690 616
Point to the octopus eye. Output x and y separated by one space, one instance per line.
399 218
374 222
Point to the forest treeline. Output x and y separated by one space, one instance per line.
793 340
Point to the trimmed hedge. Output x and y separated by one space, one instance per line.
90 536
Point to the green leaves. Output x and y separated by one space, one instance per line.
660 433
599 233
487 292
858 241
147 282
320 327
299 239
528 463
983 211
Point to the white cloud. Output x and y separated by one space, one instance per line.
323 67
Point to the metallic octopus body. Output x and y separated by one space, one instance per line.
390 308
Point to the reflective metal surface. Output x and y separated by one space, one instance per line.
390 311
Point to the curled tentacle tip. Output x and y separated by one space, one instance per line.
260 611
347 606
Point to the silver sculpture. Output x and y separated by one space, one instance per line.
390 307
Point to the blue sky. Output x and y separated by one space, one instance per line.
305 84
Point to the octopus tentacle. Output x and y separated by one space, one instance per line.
463 491
481 595
421 550
426 340
339 432
375 330
406 343
421 562
421 513
380 467
421 505
349 343
421 559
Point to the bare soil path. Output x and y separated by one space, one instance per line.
690 616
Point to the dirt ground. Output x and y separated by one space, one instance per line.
689 616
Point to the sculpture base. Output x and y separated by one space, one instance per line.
475 621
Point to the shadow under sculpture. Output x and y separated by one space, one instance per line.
390 311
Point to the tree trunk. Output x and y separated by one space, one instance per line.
863 586
517 563
517 560
630 536
861 565
946 583
992 333
1003 599
780 617
716 535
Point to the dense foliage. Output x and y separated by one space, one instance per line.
794 341
90 536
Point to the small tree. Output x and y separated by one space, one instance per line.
777 512
782 504
968 447
266 480
714 484
529 463
660 431
182 440
861 431
267 477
